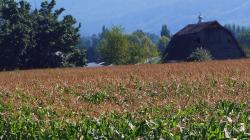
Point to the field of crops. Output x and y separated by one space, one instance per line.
208 100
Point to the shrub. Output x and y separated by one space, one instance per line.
200 54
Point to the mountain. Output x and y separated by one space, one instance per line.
149 15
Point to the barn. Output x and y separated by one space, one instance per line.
207 35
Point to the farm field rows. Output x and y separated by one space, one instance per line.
208 100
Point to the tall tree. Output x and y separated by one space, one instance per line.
114 47
119 48
16 33
90 43
141 47
165 31
162 44
36 39
54 36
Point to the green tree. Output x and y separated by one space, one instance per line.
76 58
153 37
135 50
244 38
165 31
114 47
54 36
246 49
162 44
136 54
36 38
91 45
104 31
16 33
149 49
119 48
142 46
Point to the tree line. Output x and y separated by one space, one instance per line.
132 48
40 38
242 34
45 38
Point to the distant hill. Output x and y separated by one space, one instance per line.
149 15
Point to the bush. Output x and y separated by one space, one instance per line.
200 54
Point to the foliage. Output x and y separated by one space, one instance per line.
165 31
14 33
200 54
162 44
153 37
208 100
244 38
142 48
226 120
114 47
91 46
76 58
118 48
96 98
33 38
242 34
246 49
237 29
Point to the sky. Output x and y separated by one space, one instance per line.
150 15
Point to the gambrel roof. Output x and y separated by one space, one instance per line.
194 28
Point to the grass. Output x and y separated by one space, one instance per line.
208 100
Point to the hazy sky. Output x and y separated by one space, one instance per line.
149 15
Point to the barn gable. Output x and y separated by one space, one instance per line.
208 35
195 28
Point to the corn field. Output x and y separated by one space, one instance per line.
208 100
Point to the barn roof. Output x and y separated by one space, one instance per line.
194 28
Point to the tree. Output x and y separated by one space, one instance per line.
246 50
36 39
104 31
54 36
149 49
165 31
90 43
114 47
244 38
16 33
237 29
76 58
141 47
162 44
119 48
1 3
153 37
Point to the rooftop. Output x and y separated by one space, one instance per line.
194 28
